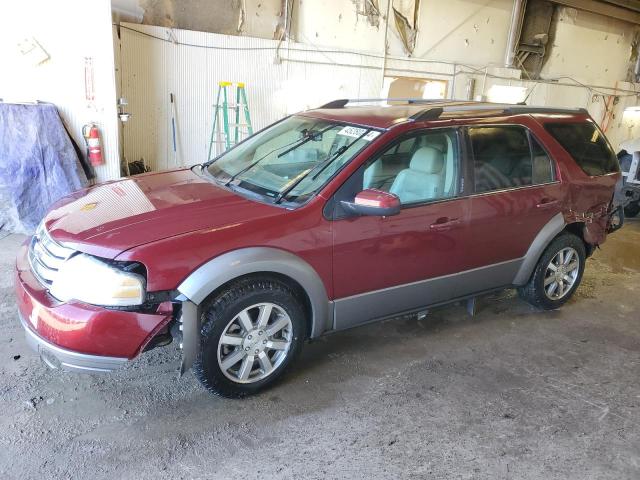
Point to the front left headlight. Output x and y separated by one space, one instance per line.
90 280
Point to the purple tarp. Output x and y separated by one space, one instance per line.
38 164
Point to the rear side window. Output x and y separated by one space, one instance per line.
508 157
587 145
543 171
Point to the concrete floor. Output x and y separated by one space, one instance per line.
511 393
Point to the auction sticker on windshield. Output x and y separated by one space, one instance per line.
352 131
371 135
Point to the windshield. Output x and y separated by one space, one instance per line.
292 159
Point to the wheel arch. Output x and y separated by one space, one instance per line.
545 236
555 227
578 229
290 282
224 269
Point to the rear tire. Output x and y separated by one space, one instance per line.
557 274
251 333
632 209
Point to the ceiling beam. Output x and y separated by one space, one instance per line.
627 10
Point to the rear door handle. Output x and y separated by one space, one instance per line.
444 223
546 202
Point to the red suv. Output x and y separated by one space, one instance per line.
323 221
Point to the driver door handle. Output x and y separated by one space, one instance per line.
444 223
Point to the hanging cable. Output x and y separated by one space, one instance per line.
599 89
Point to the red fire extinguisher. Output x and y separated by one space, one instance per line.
92 139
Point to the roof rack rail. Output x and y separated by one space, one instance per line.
341 103
440 106
432 113
336 103
528 109
511 109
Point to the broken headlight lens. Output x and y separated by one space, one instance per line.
90 280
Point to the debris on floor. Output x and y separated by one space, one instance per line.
493 396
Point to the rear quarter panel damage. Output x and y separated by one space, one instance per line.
591 204
590 197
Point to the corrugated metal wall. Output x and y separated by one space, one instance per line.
151 69
296 78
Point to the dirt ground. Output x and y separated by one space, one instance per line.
512 393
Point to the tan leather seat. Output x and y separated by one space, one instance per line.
424 179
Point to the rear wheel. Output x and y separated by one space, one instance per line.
251 333
632 209
557 274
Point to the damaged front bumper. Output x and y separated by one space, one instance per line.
78 336
60 358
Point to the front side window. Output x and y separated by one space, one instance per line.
419 168
508 157
292 159
587 145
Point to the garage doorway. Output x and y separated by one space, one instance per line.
408 87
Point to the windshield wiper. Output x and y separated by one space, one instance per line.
253 164
320 167
307 138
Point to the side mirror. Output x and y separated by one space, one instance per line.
373 202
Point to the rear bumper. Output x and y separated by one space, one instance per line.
56 357
78 336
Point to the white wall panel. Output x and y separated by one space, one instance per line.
302 78
68 31
152 68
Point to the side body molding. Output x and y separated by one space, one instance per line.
197 286
544 237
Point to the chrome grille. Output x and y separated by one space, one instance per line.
46 256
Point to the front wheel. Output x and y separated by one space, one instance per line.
557 274
251 332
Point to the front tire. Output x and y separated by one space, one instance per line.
251 332
557 274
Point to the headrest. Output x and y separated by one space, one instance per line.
427 160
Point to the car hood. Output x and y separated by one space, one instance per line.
110 218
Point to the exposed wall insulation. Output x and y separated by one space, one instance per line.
405 13
590 47
256 18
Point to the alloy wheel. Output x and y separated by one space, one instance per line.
255 343
561 273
